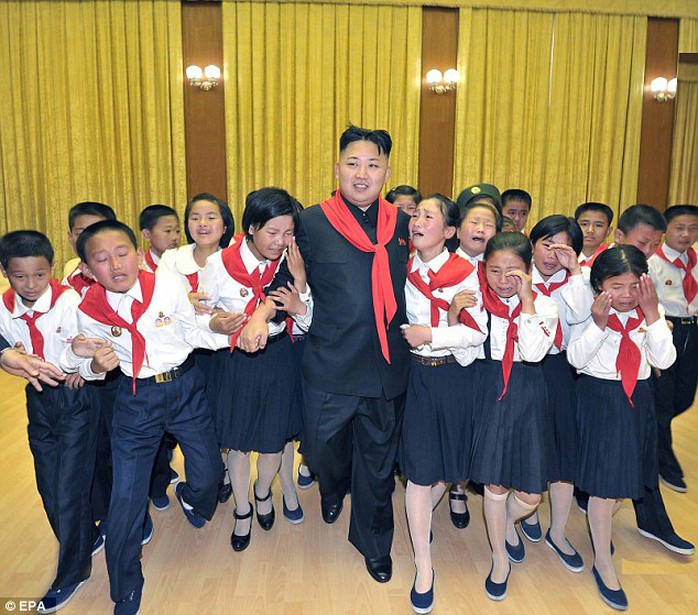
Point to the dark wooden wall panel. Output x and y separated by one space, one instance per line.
438 112
204 113
657 117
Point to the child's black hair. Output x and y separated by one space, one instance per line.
616 261
641 214
150 215
226 214
89 208
517 243
266 203
474 204
448 208
680 210
403 190
380 138
21 244
102 227
516 194
557 223
593 206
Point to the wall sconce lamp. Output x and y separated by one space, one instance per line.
205 79
663 90
440 84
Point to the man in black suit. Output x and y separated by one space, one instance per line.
355 365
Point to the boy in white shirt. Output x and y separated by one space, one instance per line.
145 324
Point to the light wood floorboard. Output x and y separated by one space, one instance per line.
312 569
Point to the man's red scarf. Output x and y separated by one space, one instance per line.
452 272
690 285
37 339
232 261
96 306
588 262
341 219
629 356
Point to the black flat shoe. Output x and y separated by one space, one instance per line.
266 522
240 543
380 568
331 512
460 520
224 493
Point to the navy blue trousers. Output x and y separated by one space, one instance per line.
62 437
139 423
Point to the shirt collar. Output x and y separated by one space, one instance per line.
434 264
135 293
537 278
184 256
670 253
250 261
41 305
369 217
473 260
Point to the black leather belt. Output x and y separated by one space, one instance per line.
683 320
432 361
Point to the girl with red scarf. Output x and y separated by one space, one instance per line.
436 432
613 351
509 450
255 390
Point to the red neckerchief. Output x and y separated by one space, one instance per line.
341 219
548 291
150 261
37 339
629 356
232 261
193 279
452 272
79 281
495 306
96 306
588 262
690 286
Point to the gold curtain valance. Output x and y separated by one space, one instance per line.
649 8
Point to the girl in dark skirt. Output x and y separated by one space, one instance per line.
255 389
613 351
556 273
511 395
437 426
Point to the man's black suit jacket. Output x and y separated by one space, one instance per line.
343 353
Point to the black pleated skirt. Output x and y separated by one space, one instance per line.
617 443
437 427
510 439
560 418
254 397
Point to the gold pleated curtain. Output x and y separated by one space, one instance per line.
553 107
297 74
688 36
683 184
91 108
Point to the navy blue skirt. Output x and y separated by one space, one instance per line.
560 418
617 443
510 440
254 397
437 427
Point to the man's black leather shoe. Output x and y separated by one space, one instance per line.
380 568
330 512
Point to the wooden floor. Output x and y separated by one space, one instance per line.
312 569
